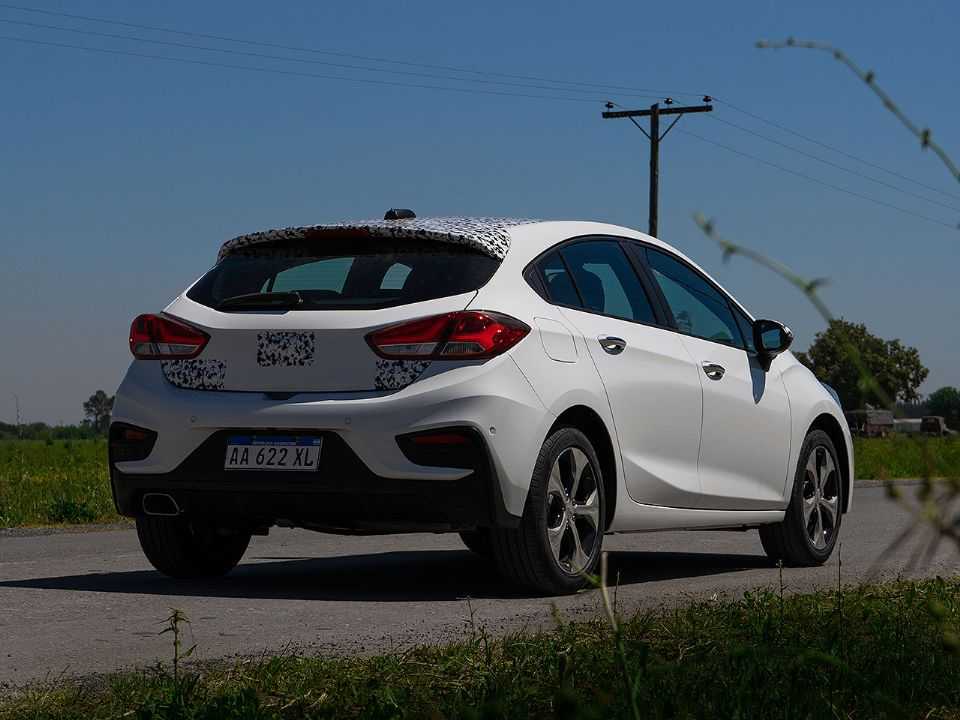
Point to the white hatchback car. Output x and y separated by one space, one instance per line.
530 385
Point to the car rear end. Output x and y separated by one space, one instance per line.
335 380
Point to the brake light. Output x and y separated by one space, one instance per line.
465 335
155 337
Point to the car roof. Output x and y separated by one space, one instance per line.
516 240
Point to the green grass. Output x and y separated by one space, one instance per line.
65 481
906 457
872 652
54 482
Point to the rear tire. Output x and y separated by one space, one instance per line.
189 549
478 542
811 525
560 536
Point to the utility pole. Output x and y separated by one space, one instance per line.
655 137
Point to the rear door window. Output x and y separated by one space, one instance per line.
606 281
350 274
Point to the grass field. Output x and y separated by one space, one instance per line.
56 482
874 652
906 457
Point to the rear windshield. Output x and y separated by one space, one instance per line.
349 274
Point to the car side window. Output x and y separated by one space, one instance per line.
606 281
558 282
746 329
699 309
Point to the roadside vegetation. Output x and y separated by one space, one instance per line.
54 482
878 651
904 456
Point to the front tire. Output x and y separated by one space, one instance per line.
811 525
189 549
560 536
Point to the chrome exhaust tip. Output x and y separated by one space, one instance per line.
160 505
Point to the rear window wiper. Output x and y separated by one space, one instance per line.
267 300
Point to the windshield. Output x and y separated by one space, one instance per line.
347 274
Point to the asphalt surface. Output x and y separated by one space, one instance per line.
82 603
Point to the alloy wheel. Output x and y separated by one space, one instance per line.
573 510
821 497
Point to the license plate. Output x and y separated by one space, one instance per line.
248 452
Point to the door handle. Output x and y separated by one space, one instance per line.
612 345
713 371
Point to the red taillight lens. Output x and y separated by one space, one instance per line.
466 335
155 337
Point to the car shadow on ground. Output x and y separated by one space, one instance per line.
383 577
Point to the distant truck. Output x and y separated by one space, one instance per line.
908 426
870 423
935 425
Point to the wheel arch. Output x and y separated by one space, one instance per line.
831 426
589 422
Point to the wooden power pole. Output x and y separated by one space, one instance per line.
655 137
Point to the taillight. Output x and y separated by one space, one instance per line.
155 337
465 335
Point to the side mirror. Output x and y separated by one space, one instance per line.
770 338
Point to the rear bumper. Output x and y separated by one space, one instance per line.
342 494
493 398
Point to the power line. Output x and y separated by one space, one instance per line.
294 73
822 144
564 84
262 56
837 166
354 56
809 178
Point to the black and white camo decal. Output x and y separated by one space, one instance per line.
283 348
397 374
195 374
488 235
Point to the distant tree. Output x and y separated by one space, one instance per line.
97 410
946 402
895 367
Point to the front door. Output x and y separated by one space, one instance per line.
745 437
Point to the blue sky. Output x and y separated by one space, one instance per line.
122 175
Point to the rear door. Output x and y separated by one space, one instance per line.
650 379
745 440
293 317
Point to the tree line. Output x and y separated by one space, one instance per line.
96 422
896 369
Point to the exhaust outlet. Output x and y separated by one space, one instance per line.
160 505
